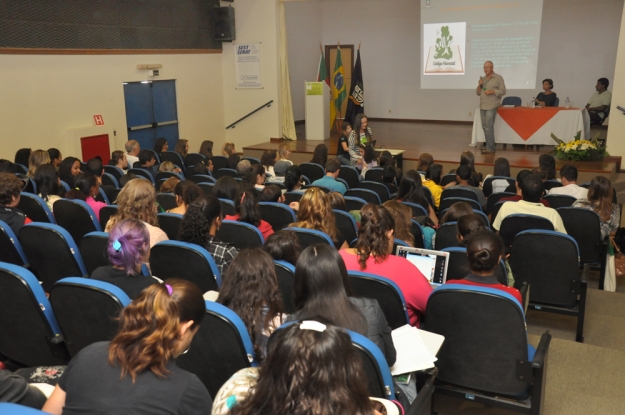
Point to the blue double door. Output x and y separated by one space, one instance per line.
151 112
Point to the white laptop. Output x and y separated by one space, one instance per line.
432 264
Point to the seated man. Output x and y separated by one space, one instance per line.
531 188
148 162
519 178
10 188
119 159
463 174
599 102
242 166
333 166
132 152
568 173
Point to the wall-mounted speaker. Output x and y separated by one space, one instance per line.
223 22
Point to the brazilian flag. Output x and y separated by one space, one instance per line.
338 87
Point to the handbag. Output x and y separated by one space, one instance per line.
619 258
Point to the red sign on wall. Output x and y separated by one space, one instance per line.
98 120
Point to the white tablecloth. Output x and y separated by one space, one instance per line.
564 124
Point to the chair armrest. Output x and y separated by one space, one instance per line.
585 273
525 295
423 403
541 350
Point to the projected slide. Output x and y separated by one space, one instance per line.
458 36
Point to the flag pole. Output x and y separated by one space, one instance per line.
336 120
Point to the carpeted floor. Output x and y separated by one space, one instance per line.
582 378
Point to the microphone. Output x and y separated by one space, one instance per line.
483 78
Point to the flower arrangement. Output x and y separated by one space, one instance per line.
579 150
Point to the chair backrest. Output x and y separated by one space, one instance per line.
35 208
386 292
219 162
93 248
379 379
105 214
170 224
418 211
293 196
313 171
500 187
278 215
485 337
29 184
86 310
143 173
52 253
417 232
458 265
167 175
556 103
173 157
220 348
377 187
368 195
446 236
175 259
516 101
227 207
483 216
114 171
447 203
560 201
354 202
584 225
202 178
240 234
324 189
166 200
549 262
494 199
195 158
346 224
350 175
513 224
448 178
64 186
76 216
374 174
10 247
338 179
207 187
285 273
309 237
550 184
110 180
456 191
225 172
102 196
30 334
252 160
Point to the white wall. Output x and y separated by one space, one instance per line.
44 97
616 132
578 46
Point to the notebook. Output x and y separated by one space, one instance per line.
432 264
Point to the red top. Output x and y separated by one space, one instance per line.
489 282
414 286
264 227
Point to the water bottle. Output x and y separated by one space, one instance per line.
567 104
533 102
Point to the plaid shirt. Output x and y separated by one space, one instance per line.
223 253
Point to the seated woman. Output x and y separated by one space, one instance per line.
226 188
228 149
128 249
484 250
86 188
316 213
206 148
22 155
548 97
501 168
433 176
320 155
283 246
186 192
411 190
169 185
425 161
137 369
137 200
255 176
48 184
268 160
168 166
373 255
456 211
467 226
37 158
369 159
68 169
250 289
161 145
318 291
246 206
467 158
199 226
182 148
284 151
309 365
402 215
599 200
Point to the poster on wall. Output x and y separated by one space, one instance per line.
247 63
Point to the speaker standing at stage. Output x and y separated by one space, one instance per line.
491 88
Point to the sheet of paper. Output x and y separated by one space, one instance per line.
415 351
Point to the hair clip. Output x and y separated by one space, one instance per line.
77 188
315 249
313 325
170 290
117 246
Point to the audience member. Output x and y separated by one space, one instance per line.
48 184
279 171
402 215
55 157
283 246
169 185
336 200
160 146
182 148
531 189
7 166
599 200
95 166
250 289
206 149
386 159
369 159
463 174
501 168
15 389
137 200
119 159
37 158
389 178
127 250
319 292
10 188
320 155
136 369
316 213
22 155
167 167
333 167
372 254
467 226
284 152
519 179
425 161
547 163
411 190
599 103
186 192
246 206
228 149
86 188
233 162
272 193
484 249
342 151
432 181
254 176
132 152
292 178
268 160
147 162
226 188
199 226
456 211
568 174
467 158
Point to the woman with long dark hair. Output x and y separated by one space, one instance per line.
320 155
21 156
268 160
206 148
255 176
425 161
599 200
86 188
369 158
283 246
226 188
161 145
250 289
68 169
293 178
467 158
411 190
186 192
373 254
319 292
182 148
547 163
433 176
48 184
246 206
136 369
501 168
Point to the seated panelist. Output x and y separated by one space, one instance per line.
548 97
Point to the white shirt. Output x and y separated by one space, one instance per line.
572 189
131 161
528 208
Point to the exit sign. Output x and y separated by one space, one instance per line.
98 120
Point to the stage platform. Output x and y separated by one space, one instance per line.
445 141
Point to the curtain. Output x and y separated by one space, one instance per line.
286 106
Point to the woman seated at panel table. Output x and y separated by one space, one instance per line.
547 98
